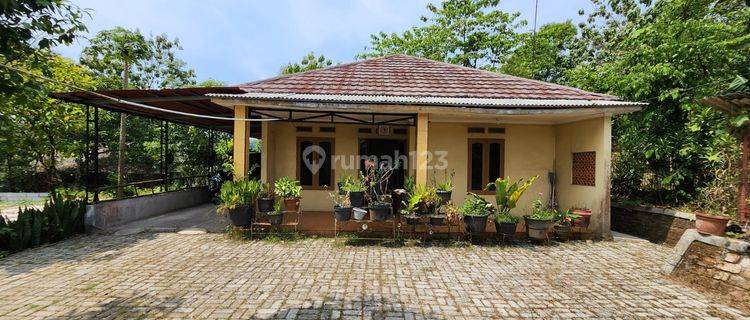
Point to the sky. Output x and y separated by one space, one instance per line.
242 41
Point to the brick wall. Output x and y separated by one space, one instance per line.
718 270
657 225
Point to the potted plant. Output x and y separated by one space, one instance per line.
563 221
475 211
358 213
445 187
342 209
380 209
505 224
276 216
539 221
266 198
409 211
714 223
356 190
507 195
378 196
237 199
289 190
584 216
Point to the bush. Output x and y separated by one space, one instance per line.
61 218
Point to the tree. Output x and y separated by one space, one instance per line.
544 55
37 129
668 53
31 26
308 62
139 61
472 33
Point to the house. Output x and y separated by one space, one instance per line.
436 117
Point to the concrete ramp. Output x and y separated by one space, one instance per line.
197 219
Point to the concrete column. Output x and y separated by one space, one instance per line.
241 150
607 177
421 163
265 155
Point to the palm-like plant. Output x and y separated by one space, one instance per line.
507 193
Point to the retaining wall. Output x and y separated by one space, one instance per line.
14 196
658 225
108 214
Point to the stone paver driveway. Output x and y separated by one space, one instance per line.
209 276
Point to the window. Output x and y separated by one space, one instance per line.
314 168
486 162
584 168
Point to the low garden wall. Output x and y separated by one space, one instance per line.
15 196
719 265
658 225
108 214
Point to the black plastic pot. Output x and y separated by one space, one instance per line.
240 216
506 229
339 185
275 218
562 232
342 213
445 196
537 229
412 220
437 219
475 225
266 204
380 212
357 198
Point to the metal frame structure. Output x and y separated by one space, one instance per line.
92 183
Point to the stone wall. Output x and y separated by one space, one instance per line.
718 265
658 225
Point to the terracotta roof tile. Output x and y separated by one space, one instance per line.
402 75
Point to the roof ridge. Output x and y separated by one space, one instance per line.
281 76
512 76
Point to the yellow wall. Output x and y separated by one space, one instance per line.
529 151
582 136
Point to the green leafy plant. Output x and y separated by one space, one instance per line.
266 191
506 218
409 184
476 206
565 217
352 184
288 188
447 183
277 205
508 193
234 194
539 211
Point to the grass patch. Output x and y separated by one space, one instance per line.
236 233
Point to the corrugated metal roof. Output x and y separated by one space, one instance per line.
440 101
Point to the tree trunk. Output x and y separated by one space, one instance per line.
742 201
121 146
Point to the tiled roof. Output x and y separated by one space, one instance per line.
407 76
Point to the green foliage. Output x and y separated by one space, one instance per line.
287 188
670 54
28 29
507 194
540 211
238 193
423 198
352 184
506 218
446 184
545 55
565 217
474 205
471 33
61 218
308 62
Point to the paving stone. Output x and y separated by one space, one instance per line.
167 275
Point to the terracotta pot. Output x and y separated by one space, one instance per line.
291 204
710 224
584 220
